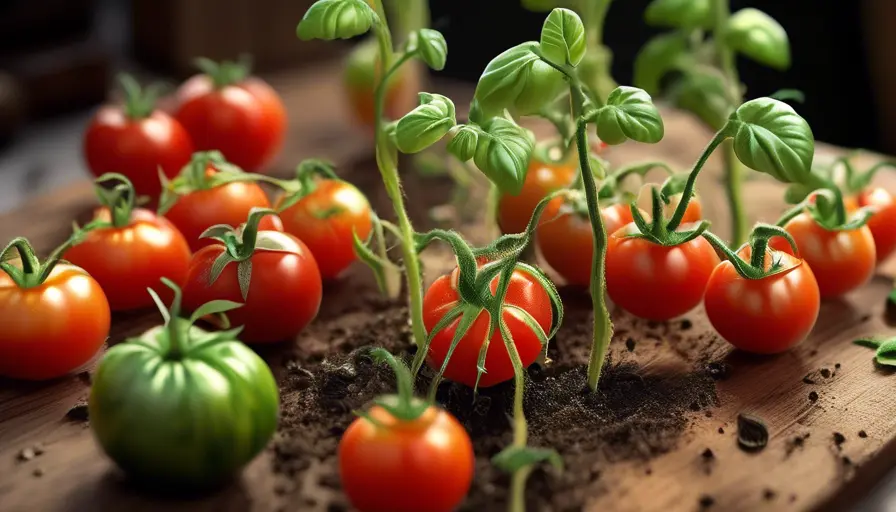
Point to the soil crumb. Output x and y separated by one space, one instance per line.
863 434
78 412
752 434
839 439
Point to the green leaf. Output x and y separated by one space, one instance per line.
336 19
758 36
213 308
431 46
629 114
503 153
426 124
517 80
702 93
563 38
659 56
797 192
872 343
892 296
464 140
547 5
514 458
772 138
679 13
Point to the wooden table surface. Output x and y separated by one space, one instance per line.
74 475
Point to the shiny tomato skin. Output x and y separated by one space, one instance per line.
524 292
54 328
841 260
763 316
656 282
542 178
883 223
565 241
137 148
329 235
284 290
228 204
126 261
423 465
245 121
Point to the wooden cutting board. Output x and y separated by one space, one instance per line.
804 467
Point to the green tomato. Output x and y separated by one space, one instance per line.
183 406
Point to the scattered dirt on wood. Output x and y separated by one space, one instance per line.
839 439
863 434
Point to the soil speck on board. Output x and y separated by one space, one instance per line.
721 430
796 442
706 501
863 434
630 344
768 494
839 439
813 396
78 412
718 370
752 434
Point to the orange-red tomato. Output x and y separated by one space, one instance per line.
246 121
763 316
284 290
126 261
362 70
406 466
542 178
524 292
657 282
54 328
841 260
325 220
228 204
883 223
565 240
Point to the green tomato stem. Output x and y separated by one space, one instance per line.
603 326
733 179
384 38
600 81
691 183
120 200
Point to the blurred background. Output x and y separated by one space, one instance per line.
59 58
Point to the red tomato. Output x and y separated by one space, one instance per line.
565 240
406 466
137 148
246 121
657 282
883 223
542 178
763 316
524 292
325 220
284 290
54 328
128 260
841 260
227 204
362 70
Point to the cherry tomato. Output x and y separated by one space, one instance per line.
243 118
524 292
227 204
406 466
136 147
542 178
284 290
362 70
52 328
657 282
883 223
128 260
763 316
325 220
841 260
565 240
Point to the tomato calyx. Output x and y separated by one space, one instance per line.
852 181
658 230
827 209
403 405
120 200
611 187
226 72
756 268
139 103
305 183
33 272
177 335
885 349
240 243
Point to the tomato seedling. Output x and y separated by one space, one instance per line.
181 406
137 140
211 191
271 272
762 300
130 249
228 110
405 454
55 316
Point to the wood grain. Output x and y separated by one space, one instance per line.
76 476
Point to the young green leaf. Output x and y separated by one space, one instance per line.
702 93
336 19
464 141
513 458
426 124
679 13
503 151
659 56
518 80
431 46
563 38
771 137
758 36
629 114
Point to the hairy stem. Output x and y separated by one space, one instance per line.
691 183
733 179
